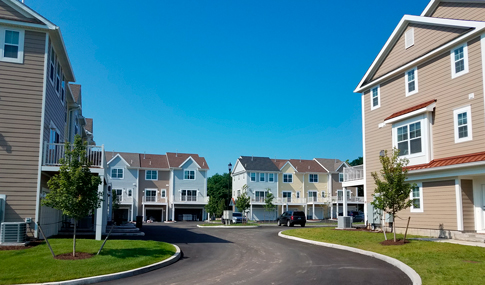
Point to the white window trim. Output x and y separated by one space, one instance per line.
287 179
146 173
52 65
163 193
372 107
415 81
122 173
465 61
340 177
20 58
251 177
196 195
318 178
468 110
189 178
424 155
298 195
412 209
264 177
273 177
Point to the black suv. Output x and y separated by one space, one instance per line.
290 218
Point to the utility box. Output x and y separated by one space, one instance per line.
344 222
227 216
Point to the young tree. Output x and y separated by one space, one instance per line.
215 207
243 201
268 202
74 191
392 192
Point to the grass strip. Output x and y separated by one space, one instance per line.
36 265
436 263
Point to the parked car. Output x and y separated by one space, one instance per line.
290 218
237 217
358 218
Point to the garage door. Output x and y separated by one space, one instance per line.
50 221
319 213
259 214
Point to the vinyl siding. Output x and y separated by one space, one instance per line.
163 182
467 205
320 186
434 82
426 39
439 207
462 11
296 185
199 183
337 185
10 13
20 119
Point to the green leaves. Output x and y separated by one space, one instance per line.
243 201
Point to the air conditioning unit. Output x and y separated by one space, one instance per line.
344 222
13 232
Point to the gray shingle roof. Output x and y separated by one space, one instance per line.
258 163
331 164
131 158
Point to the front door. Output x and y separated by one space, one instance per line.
287 197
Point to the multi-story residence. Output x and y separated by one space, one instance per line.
337 170
159 187
297 184
424 95
38 113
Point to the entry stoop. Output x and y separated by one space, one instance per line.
125 230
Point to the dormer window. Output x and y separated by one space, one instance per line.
375 97
12 47
459 61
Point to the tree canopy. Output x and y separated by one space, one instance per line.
358 161
220 193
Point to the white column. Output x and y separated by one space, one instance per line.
251 211
173 212
345 202
101 212
313 206
459 207
143 214
166 213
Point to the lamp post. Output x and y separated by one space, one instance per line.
229 166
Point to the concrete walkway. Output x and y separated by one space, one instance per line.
469 243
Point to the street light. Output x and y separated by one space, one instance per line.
230 167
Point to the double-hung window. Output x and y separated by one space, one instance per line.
163 193
261 177
463 124
150 195
259 196
151 175
189 195
189 174
63 90
417 199
58 78
409 139
252 176
52 70
340 177
270 177
411 81
459 61
117 173
119 194
12 46
411 136
313 178
287 178
375 97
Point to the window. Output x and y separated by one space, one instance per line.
463 124
150 195
417 199
12 47
238 193
151 175
54 136
360 191
259 196
52 66
411 81
298 194
323 194
261 177
340 177
163 193
189 195
271 177
409 38
459 61
375 98
312 196
253 176
58 78
288 178
117 173
189 174
313 178
287 196
130 193
63 90
409 139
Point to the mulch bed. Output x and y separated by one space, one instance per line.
391 242
79 255
18 247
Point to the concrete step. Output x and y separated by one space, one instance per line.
472 237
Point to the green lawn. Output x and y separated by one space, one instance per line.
36 264
436 263
231 225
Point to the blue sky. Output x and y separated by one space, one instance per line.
225 78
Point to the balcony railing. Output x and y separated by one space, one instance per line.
354 173
154 199
318 200
125 199
289 200
53 152
340 199
192 199
258 199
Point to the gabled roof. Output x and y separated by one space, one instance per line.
89 125
367 82
449 161
433 4
330 164
76 93
255 163
131 159
153 161
279 163
42 23
307 166
176 160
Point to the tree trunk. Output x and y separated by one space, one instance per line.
394 228
74 240
383 220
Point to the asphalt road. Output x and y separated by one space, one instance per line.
258 256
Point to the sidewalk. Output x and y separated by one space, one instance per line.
469 243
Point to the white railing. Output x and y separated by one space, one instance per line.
354 173
258 199
53 152
192 200
289 200
340 199
318 200
154 199
125 199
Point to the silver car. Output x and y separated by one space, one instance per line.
237 218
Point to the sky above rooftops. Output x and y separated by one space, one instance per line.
225 78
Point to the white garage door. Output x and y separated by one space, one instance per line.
259 214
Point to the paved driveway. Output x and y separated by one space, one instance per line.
258 256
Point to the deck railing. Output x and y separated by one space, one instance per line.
290 200
354 173
154 199
340 199
317 200
53 152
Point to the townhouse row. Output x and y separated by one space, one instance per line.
313 186
168 187
40 110
424 95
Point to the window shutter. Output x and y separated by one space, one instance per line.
409 38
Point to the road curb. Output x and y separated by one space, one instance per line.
415 278
123 274
228 227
